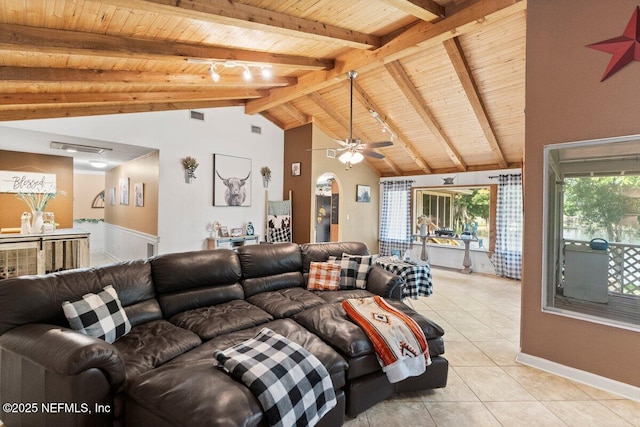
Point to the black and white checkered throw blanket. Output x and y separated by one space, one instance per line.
290 383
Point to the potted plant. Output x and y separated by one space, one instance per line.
190 165
266 175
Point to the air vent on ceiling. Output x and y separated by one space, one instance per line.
73 148
331 153
256 129
196 115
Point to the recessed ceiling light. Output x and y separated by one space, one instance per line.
98 164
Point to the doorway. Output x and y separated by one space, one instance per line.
327 208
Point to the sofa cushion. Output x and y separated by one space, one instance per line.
269 260
331 323
348 273
322 251
189 280
99 315
342 295
286 302
151 344
324 276
364 263
194 394
332 361
209 322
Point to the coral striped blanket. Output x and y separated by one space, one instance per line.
397 339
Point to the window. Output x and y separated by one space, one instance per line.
456 208
592 242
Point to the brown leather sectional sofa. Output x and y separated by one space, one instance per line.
182 306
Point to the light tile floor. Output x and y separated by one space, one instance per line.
481 318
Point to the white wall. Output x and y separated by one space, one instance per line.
185 209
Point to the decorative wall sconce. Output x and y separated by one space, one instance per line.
190 165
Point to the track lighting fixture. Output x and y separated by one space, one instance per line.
382 123
246 74
214 75
266 71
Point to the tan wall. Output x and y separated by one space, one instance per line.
11 207
87 187
144 170
296 143
567 102
363 218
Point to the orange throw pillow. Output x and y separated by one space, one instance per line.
324 276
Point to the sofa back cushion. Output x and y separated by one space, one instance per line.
189 280
38 299
320 252
270 267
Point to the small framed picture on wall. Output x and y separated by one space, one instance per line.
138 193
363 193
295 169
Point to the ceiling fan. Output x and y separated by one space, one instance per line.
353 149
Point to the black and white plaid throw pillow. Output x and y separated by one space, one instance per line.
98 315
364 263
291 384
280 235
348 272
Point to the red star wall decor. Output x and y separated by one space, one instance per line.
624 49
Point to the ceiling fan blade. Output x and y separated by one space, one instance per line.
379 144
372 154
341 142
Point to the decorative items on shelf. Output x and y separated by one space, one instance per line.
37 203
214 229
190 165
266 176
250 230
48 223
25 223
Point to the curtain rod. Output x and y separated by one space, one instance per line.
498 176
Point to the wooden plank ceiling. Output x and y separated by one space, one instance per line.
446 77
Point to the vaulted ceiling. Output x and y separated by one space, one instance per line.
446 77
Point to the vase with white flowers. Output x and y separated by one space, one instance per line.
37 203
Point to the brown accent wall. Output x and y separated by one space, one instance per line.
11 207
565 101
296 143
146 170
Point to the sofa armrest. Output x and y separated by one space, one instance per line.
384 283
64 351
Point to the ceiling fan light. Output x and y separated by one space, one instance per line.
346 157
357 157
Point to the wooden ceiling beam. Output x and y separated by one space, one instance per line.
460 64
291 110
91 98
40 112
20 38
426 10
400 139
26 75
273 119
241 15
414 97
414 39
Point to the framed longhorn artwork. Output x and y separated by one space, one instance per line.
231 181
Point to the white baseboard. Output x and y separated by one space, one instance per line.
602 383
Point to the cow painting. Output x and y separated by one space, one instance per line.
235 193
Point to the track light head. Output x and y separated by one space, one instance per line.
214 75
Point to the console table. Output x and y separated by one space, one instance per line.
231 242
26 254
